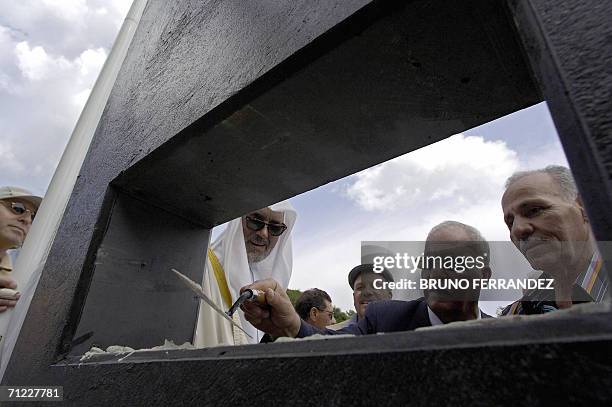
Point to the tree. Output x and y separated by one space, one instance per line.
342 316
293 295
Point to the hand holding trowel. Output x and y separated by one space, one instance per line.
247 295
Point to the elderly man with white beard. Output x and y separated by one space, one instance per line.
254 247
548 224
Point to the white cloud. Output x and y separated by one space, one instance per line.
51 52
6 84
548 154
8 160
101 11
121 7
326 266
90 62
460 178
72 11
455 170
64 27
35 64
80 98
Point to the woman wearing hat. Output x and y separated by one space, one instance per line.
17 210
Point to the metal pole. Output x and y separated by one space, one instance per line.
35 250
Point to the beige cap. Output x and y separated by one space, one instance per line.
16 192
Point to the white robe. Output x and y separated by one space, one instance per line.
229 247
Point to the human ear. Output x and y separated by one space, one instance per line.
580 206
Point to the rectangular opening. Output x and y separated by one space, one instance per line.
458 179
327 120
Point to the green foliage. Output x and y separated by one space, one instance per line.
293 295
340 315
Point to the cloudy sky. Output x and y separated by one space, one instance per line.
460 178
51 52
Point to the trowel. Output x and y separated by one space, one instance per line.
197 289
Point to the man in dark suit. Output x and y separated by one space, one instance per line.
361 280
439 306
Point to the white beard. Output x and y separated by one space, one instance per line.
256 257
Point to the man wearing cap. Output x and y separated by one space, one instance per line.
361 280
17 210
278 319
253 247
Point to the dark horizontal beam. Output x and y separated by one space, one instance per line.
531 361
391 78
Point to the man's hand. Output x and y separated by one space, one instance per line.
8 297
278 317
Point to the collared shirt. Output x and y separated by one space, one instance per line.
593 280
433 318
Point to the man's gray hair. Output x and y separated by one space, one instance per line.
562 175
473 234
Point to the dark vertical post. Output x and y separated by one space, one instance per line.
568 45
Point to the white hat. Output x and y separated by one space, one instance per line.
16 192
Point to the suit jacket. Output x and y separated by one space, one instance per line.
382 316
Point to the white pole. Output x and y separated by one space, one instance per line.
33 254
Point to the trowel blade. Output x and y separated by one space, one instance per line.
197 289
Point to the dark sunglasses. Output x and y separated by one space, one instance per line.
275 229
18 208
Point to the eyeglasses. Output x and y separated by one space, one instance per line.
19 209
331 313
275 229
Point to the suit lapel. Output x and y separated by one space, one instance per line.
421 316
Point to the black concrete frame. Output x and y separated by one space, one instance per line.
224 107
